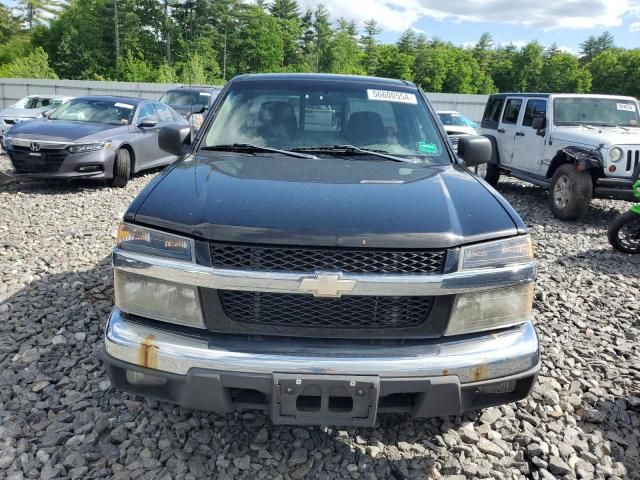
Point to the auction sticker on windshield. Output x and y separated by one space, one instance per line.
123 105
391 96
627 107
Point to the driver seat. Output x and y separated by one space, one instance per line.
363 127
278 122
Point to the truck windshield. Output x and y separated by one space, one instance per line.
595 111
301 115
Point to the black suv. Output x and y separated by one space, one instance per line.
191 101
322 253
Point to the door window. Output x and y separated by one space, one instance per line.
492 112
511 111
535 108
147 112
164 113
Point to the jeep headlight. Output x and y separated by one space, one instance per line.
149 297
615 154
498 253
88 147
499 307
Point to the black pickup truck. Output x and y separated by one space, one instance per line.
322 253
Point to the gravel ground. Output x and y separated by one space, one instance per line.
60 418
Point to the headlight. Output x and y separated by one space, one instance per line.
615 154
88 147
491 309
157 299
196 120
154 242
497 253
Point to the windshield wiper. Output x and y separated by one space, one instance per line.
350 150
606 124
250 148
576 124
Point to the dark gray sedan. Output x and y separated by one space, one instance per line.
99 137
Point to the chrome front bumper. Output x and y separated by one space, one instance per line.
472 358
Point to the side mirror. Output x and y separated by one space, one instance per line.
539 122
46 113
173 138
474 149
147 122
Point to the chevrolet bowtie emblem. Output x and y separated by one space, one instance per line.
328 285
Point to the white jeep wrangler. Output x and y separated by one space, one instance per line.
580 146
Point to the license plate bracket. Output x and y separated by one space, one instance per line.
324 399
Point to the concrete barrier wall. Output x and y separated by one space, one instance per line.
13 89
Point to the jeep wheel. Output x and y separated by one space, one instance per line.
570 192
490 172
121 168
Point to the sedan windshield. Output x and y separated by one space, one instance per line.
303 115
453 119
96 111
595 111
34 102
186 98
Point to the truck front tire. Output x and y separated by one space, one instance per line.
570 192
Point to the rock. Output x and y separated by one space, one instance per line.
558 466
298 457
490 448
243 463
7 456
73 460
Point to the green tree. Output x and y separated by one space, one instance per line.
9 25
36 12
407 43
393 63
528 67
192 71
288 14
260 38
561 72
34 65
80 43
369 45
323 39
166 74
346 55
135 69
594 46
483 51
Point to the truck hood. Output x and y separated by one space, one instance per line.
596 136
62 130
329 201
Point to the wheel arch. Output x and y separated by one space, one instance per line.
495 154
584 158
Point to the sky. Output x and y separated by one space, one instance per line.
564 22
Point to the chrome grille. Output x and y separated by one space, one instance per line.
633 158
309 259
306 311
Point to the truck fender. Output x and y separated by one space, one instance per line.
583 158
495 155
